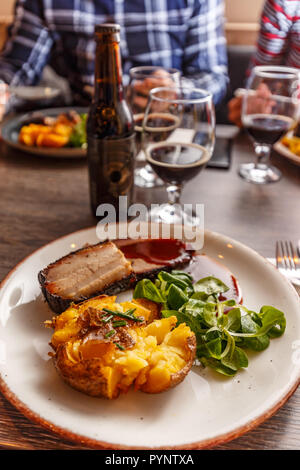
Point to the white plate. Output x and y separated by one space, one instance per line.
285 152
205 410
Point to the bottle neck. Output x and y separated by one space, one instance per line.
108 74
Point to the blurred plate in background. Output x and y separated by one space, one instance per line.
285 152
10 133
34 93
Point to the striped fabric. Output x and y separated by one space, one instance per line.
185 34
279 38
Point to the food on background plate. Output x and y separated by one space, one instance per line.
102 348
292 143
106 269
67 129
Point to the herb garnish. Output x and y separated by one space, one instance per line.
119 323
107 319
223 329
110 333
120 346
128 314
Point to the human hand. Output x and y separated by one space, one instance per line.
235 111
259 101
141 88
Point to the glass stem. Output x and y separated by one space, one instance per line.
262 153
174 193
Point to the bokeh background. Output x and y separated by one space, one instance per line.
241 20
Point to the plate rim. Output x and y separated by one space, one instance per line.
99 444
286 153
44 152
56 92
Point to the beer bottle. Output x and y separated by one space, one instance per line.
110 126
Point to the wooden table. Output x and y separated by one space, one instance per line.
42 199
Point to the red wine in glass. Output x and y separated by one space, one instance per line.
267 128
176 163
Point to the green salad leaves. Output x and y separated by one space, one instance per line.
78 137
223 329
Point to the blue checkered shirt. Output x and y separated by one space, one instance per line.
185 34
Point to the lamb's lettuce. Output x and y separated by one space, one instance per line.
223 329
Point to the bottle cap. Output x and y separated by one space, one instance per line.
107 28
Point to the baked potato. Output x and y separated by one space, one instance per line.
102 348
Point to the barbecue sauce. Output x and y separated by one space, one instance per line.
156 251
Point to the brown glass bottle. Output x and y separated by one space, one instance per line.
110 126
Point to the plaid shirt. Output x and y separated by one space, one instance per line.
185 34
279 37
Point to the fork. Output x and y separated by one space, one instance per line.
287 261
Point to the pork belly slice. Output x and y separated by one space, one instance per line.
108 268
90 271
87 271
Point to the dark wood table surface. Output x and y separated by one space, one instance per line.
42 199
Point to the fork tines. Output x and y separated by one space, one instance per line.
286 257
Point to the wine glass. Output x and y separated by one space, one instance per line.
270 109
142 80
178 139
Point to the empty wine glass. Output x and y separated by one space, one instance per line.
142 80
178 139
270 109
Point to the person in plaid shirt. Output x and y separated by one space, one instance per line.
278 42
185 34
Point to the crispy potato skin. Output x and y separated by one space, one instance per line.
84 376
148 363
